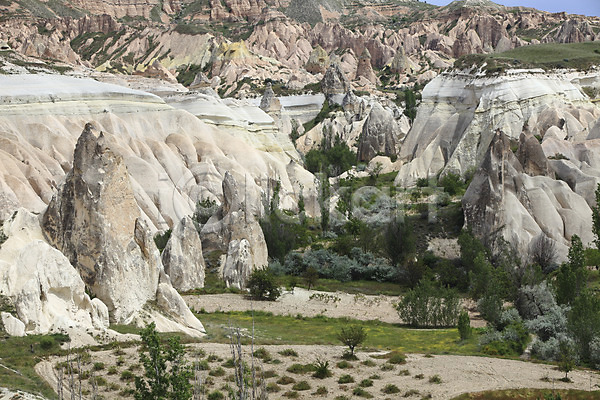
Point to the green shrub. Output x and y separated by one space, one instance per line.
216 395
46 343
288 353
127 376
291 394
346 379
98 366
345 364
321 391
387 367
321 369
429 306
404 372
366 383
272 387
375 376
419 376
161 239
263 354
268 374
285 380
302 385
390 389
262 286
464 325
369 363
112 370
396 357
452 183
300 368
435 379
360 392
217 372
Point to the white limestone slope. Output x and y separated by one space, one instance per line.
460 113
173 157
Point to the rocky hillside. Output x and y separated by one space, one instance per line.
245 42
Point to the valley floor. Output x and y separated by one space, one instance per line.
458 374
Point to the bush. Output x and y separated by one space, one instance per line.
302 385
216 395
285 380
98 366
321 391
360 392
427 306
288 353
262 286
396 358
345 379
464 325
390 389
366 383
321 369
345 364
273 387
435 379
300 368
352 336
46 343
452 183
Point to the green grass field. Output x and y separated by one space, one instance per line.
548 56
21 354
273 329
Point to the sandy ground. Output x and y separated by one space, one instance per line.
459 374
312 303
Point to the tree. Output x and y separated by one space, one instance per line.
543 251
464 325
571 278
167 375
352 336
399 242
410 101
567 360
310 277
584 321
262 285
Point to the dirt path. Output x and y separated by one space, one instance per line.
313 303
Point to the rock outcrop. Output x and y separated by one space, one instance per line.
182 257
235 232
365 69
334 81
94 220
318 61
505 201
269 103
46 291
378 135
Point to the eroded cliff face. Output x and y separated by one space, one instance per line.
460 114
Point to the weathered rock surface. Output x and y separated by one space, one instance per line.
334 81
182 257
503 198
365 69
94 220
459 113
46 291
234 231
379 134
269 103
318 61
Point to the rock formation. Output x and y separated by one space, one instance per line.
400 63
505 200
47 293
182 257
269 103
318 61
236 233
365 69
334 81
94 220
378 135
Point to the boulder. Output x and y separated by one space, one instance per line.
532 157
182 257
400 63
